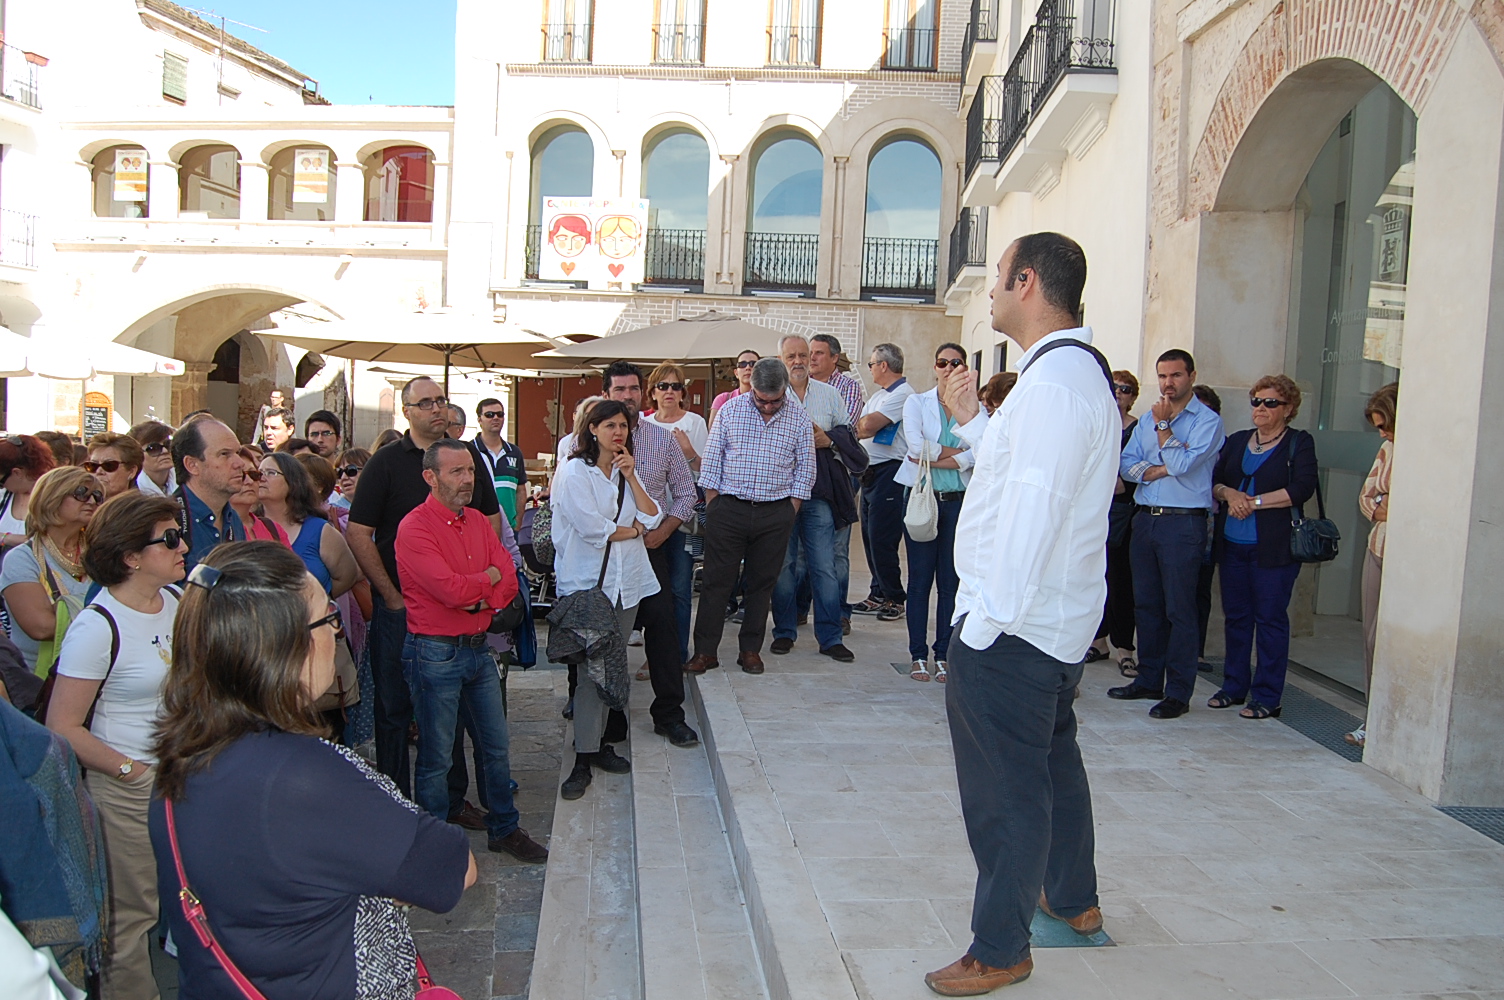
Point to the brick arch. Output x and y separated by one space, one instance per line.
1400 42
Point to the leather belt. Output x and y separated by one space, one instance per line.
1161 511
955 497
472 641
754 503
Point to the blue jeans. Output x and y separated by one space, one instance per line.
441 675
882 527
933 562
1256 600
1166 553
393 701
681 569
814 535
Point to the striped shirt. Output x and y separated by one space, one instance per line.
851 391
663 470
757 459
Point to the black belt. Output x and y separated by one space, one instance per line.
1161 511
472 641
754 503
955 497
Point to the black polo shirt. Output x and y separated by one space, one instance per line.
391 485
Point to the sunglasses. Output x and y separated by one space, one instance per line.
83 494
670 387
746 364
1124 390
1271 403
158 447
15 440
773 403
873 364
350 470
493 415
951 363
111 466
172 538
254 475
333 619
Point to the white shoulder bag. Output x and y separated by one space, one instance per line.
922 517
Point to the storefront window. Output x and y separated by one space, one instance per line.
1348 310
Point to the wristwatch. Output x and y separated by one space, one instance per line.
126 769
1258 501
1162 425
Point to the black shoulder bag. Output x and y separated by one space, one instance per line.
1312 539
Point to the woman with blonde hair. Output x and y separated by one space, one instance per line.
1373 502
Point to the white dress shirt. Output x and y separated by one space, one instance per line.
584 507
1035 514
889 402
824 405
923 422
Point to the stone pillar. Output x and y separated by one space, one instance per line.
440 204
162 190
190 390
255 190
349 193
838 252
726 219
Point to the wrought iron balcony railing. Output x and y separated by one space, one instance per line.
984 124
899 266
781 261
679 43
18 238
968 242
983 27
530 258
675 256
793 45
21 76
567 42
910 48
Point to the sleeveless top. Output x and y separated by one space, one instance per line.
306 545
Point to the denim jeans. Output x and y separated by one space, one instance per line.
681 568
814 534
393 701
1024 794
441 676
882 527
1256 601
933 562
1166 561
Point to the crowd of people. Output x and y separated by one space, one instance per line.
372 600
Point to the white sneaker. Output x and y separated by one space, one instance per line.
635 639
1358 736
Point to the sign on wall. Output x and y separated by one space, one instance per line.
600 241
130 175
96 415
310 176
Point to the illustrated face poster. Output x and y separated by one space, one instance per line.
596 240
310 176
130 175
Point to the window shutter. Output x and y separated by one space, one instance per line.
174 77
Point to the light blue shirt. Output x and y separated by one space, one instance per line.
1190 457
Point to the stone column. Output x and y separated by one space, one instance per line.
440 204
255 190
190 390
349 193
162 191
727 228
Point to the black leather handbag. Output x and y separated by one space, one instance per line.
1312 539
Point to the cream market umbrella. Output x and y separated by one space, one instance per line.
707 337
13 348
46 354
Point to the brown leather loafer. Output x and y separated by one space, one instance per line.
749 662
967 977
469 817
520 846
1086 924
701 662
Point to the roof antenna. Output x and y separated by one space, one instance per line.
222 21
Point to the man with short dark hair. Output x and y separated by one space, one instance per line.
508 468
276 400
206 456
324 433
1172 453
881 429
455 575
276 427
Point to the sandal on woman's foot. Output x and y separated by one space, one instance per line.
1357 737
1128 667
920 671
1093 654
1257 711
1223 700
940 673
642 672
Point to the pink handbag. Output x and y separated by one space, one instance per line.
193 910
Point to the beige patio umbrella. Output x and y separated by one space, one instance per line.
707 337
46 354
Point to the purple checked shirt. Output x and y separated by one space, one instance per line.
760 460
663 471
851 391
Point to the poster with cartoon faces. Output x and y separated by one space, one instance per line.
600 241
130 175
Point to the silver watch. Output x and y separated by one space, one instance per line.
1162 425
126 769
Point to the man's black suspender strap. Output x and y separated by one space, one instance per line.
1073 342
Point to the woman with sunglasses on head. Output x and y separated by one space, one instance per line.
115 459
297 850
23 460
1261 475
44 582
112 667
744 362
156 475
931 431
290 501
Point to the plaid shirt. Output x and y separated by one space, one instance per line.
663 471
760 460
851 391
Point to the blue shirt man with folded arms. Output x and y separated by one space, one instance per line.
1172 455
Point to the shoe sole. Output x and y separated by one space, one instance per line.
960 992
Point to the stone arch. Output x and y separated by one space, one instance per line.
395 140
670 120
178 149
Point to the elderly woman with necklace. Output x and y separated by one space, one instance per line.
1261 474
48 570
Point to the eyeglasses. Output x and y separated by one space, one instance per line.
254 475
158 447
428 405
350 470
951 363
83 494
112 466
493 414
320 434
172 538
1124 390
746 364
670 387
333 619
1271 403
775 404
268 472
873 364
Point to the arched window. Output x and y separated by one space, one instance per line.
783 218
209 181
901 243
302 185
563 167
121 176
399 185
676 182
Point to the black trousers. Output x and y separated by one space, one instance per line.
1118 620
755 537
1024 793
660 637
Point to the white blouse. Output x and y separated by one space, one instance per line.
584 502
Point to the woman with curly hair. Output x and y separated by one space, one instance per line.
23 460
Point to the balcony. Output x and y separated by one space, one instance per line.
910 48
20 76
569 43
681 44
979 44
968 259
18 238
899 268
675 257
793 45
781 262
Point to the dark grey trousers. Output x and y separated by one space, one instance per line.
1024 794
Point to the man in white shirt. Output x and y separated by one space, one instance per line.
1033 579
824 366
881 431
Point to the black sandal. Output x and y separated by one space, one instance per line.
1224 700
1094 654
1257 711
1128 667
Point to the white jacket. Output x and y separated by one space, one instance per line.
922 422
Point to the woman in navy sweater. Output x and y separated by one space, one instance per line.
1261 474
